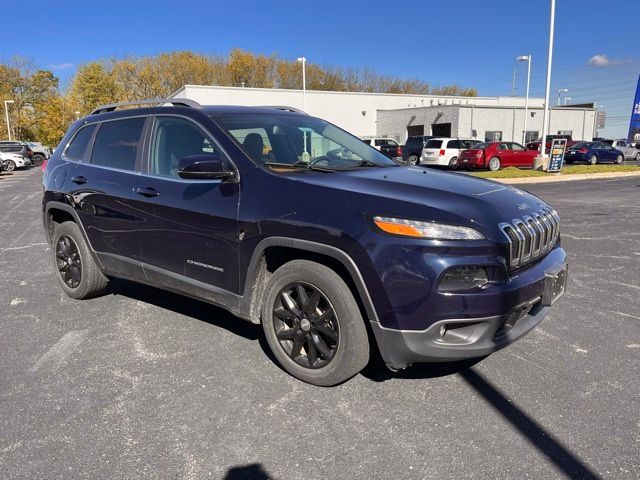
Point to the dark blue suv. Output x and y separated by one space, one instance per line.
286 220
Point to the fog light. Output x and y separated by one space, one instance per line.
463 278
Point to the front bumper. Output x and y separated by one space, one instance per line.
460 338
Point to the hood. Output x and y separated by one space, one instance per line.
469 200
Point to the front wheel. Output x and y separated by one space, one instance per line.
494 164
313 325
413 160
593 160
619 159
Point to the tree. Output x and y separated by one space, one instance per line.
92 86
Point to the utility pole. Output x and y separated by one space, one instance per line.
543 142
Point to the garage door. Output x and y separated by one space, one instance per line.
441 129
413 130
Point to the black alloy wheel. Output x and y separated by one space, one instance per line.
306 325
68 261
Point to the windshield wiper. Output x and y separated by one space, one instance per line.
299 166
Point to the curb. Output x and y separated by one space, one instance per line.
565 178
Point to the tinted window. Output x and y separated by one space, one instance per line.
116 144
453 144
480 146
173 139
380 143
414 142
579 145
517 146
78 145
503 146
433 144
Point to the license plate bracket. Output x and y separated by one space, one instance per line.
555 284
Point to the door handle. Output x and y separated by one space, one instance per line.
80 180
147 192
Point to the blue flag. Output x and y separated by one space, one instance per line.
634 125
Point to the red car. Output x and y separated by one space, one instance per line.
496 155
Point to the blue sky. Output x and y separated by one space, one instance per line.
465 41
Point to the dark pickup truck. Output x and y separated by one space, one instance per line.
550 138
386 146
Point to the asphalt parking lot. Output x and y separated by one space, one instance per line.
145 384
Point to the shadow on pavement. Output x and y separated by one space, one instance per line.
253 471
186 306
561 456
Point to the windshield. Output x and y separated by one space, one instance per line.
299 140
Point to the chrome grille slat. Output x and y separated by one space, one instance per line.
531 236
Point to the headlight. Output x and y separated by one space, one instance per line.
463 278
434 231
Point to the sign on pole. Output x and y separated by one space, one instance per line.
556 158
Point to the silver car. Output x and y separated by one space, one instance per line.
628 150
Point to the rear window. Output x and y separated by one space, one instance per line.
116 144
433 144
579 145
78 146
480 146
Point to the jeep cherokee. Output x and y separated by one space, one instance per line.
286 220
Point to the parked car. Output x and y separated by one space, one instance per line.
20 148
629 150
593 152
444 151
40 152
550 138
496 155
387 146
413 147
12 161
319 252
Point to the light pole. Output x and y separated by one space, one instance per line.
561 91
543 143
526 58
304 80
6 113
595 121
565 100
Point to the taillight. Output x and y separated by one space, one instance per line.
399 151
44 164
479 153
583 150
442 153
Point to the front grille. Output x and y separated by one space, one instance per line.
531 236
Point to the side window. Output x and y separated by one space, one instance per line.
255 142
116 144
503 146
453 144
380 142
78 146
517 147
173 139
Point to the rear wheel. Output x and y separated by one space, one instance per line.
413 160
637 157
38 158
453 163
593 160
494 164
10 165
619 159
76 271
313 325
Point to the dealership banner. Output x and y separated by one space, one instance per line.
634 125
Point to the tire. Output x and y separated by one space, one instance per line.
637 157
494 164
413 160
453 163
75 269
593 160
340 342
619 159
38 158
10 165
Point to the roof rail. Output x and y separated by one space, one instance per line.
182 102
288 109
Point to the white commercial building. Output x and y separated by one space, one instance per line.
396 115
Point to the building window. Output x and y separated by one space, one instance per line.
565 132
493 136
531 136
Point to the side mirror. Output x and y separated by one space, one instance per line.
204 167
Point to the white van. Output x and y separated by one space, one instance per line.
444 151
